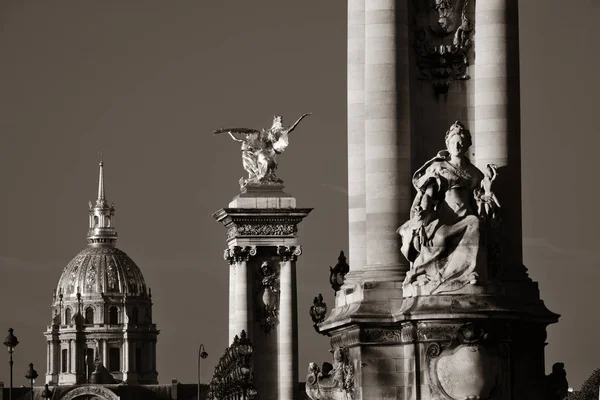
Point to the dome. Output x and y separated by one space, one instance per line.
102 269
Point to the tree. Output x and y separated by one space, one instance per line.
589 389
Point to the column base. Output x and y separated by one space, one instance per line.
443 346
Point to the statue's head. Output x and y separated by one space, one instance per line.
558 367
276 122
458 139
266 270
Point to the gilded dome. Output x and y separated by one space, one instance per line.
101 269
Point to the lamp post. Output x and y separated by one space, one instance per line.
31 375
47 393
201 354
11 342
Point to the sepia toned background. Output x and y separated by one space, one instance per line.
147 81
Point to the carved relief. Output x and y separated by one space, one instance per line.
443 37
345 339
112 276
381 335
289 253
90 279
436 332
333 382
92 391
239 254
269 300
261 230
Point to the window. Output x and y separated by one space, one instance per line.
114 359
138 360
89 362
113 316
107 219
135 315
68 316
64 360
95 221
89 316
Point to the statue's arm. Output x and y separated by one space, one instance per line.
234 138
297 122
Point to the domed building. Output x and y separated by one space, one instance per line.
102 330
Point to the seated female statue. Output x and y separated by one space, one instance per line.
444 239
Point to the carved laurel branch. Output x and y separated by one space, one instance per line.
262 230
239 254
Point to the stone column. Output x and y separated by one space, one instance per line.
104 353
49 364
239 256
496 103
71 353
125 357
263 220
387 137
288 323
356 139
232 332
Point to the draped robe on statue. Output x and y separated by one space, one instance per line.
446 247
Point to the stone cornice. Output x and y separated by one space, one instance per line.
250 222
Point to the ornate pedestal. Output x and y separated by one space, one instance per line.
262 251
471 345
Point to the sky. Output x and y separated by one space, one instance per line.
147 82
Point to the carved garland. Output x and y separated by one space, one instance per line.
261 230
381 336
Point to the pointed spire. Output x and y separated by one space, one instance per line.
101 195
101 231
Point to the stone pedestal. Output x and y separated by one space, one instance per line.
262 250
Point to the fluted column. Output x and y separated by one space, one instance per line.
496 103
387 137
356 139
288 322
232 327
240 256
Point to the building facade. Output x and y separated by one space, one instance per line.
102 312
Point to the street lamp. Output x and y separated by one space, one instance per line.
11 342
201 354
31 375
47 393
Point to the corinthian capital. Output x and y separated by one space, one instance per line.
289 253
239 253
